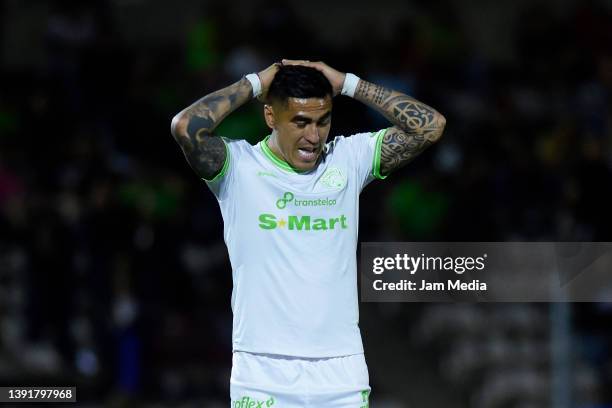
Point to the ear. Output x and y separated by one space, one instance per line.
269 116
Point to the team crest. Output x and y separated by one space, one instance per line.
333 178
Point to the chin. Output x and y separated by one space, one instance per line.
305 166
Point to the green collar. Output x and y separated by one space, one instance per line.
275 159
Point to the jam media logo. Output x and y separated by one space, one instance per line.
282 202
249 402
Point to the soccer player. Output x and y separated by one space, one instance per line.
290 209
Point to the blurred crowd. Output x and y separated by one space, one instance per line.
113 273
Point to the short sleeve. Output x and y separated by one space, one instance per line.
366 150
221 184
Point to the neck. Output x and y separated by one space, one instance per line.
274 147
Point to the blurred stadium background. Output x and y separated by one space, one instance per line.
113 273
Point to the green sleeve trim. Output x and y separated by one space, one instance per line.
225 165
377 153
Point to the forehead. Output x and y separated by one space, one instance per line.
308 106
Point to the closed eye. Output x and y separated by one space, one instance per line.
302 121
324 121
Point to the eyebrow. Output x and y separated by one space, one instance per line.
300 118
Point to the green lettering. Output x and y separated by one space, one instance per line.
343 221
267 221
319 224
299 223
332 222
365 394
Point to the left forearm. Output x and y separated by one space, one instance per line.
408 114
416 125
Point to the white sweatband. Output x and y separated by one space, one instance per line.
255 84
350 84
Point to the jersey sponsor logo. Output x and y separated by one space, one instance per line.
302 222
282 202
249 402
289 198
333 178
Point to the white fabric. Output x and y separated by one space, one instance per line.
255 84
295 285
292 382
350 84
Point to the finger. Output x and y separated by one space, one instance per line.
305 64
295 62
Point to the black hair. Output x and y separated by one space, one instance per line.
298 81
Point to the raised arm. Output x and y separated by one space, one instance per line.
193 127
416 125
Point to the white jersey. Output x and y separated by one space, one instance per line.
292 241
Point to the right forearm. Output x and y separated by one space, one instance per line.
202 117
192 128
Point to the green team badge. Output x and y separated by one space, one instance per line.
333 178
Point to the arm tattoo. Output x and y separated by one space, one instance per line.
416 125
193 127
380 95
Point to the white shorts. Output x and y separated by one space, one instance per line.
266 380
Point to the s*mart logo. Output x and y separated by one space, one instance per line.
302 222
289 198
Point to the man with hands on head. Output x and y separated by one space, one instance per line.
290 207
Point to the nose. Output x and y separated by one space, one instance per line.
312 134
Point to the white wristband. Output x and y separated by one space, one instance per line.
255 84
350 84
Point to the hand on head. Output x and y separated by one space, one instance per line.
335 78
266 76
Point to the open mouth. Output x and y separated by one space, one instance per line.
308 154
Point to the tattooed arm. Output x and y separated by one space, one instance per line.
416 125
192 128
